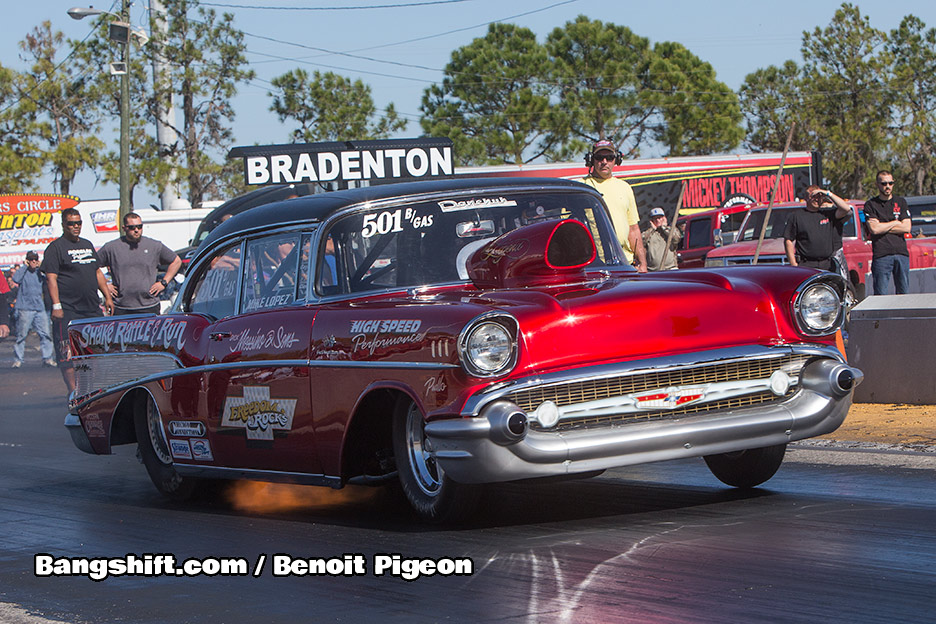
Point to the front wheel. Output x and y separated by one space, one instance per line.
434 496
154 451
748 468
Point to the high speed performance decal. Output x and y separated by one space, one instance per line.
374 335
258 413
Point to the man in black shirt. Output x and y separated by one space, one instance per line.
813 235
888 219
74 277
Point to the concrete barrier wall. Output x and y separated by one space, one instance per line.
892 339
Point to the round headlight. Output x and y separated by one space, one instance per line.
819 308
489 348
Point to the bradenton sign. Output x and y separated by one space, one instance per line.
376 161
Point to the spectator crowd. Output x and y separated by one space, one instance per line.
45 295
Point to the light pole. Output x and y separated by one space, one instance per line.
119 32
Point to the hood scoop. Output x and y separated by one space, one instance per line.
540 254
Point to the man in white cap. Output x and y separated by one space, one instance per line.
655 238
619 197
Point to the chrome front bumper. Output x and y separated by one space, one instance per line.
78 435
498 445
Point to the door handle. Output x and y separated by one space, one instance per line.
217 336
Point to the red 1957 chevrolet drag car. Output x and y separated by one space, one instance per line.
455 333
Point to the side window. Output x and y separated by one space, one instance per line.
848 228
304 268
330 282
699 233
731 225
272 272
923 217
921 211
215 292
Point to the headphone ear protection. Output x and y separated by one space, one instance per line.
590 158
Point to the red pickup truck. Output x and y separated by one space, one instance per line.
855 243
706 230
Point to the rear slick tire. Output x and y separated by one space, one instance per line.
154 451
433 496
748 468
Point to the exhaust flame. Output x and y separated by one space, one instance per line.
262 497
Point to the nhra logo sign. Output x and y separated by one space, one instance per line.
393 160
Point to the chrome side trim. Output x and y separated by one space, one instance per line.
384 365
273 476
686 360
82 401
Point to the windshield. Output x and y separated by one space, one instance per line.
922 215
777 225
755 221
417 244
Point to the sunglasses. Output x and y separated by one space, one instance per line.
133 227
890 183
604 157
72 223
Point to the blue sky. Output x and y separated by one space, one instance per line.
400 51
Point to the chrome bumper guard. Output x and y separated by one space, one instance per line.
498 444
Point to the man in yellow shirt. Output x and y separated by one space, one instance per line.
619 197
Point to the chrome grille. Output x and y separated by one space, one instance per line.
96 373
701 408
576 392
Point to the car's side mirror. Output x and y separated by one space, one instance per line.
716 236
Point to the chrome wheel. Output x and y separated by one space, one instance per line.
154 449
427 472
156 435
431 494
